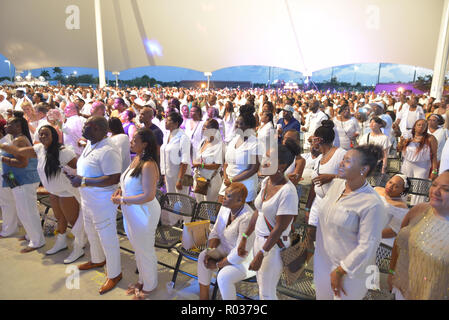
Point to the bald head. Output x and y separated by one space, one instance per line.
146 116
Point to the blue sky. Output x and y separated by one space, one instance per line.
364 73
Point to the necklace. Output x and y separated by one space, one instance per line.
92 149
325 155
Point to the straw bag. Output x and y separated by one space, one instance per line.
294 258
195 234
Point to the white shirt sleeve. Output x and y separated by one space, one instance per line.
370 232
111 162
65 156
233 256
184 145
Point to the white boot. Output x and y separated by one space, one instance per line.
77 253
60 244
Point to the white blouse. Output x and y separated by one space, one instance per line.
380 140
212 154
344 132
441 134
231 235
174 153
350 228
284 202
239 159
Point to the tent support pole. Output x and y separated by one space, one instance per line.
100 52
441 56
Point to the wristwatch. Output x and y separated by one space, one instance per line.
83 182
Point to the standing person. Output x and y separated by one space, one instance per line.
287 122
325 170
241 161
419 155
121 140
98 172
346 129
64 198
146 119
378 138
210 160
407 117
351 219
229 119
24 171
73 128
7 203
313 121
141 210
194 130
175 155
129 127
231 223
420 257
277 207
441 134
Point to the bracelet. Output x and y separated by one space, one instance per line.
435 171
122 201
307 209
244 235
230 179
391 271
202 165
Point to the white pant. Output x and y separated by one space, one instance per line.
141 224
226 278
101 228
9 212
170 185
212 192
28 213
355 288
416 170
270 270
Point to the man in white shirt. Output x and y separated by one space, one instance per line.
20 98
313 122
98 173
41 112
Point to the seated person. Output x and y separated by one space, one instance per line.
395 204
231 223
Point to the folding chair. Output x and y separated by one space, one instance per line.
383 258
205 210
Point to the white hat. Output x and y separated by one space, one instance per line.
288 108
21 89
147 93
134 93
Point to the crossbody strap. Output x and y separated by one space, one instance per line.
270 228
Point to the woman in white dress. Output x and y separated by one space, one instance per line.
276 208
194 130
346 129
419 155
52 157
376 137
241 161
325 170
175 155
436 128
121 140
229 119
209 161
351 219
141 210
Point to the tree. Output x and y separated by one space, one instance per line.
57 70
45 74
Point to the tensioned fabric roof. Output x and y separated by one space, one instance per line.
207 35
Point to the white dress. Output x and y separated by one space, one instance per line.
330 167
229 127
7 202
344 132
442 135
348 235
238 160
122 142
212 154
59 184
140 221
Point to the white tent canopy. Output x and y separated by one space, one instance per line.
208 35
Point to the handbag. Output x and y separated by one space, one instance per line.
187 180
11 180
195 234
294 258
201 185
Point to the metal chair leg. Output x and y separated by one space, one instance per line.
175 273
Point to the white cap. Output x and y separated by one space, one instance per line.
134 93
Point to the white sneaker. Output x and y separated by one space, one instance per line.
60 244
75 255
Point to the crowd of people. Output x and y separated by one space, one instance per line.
96 149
